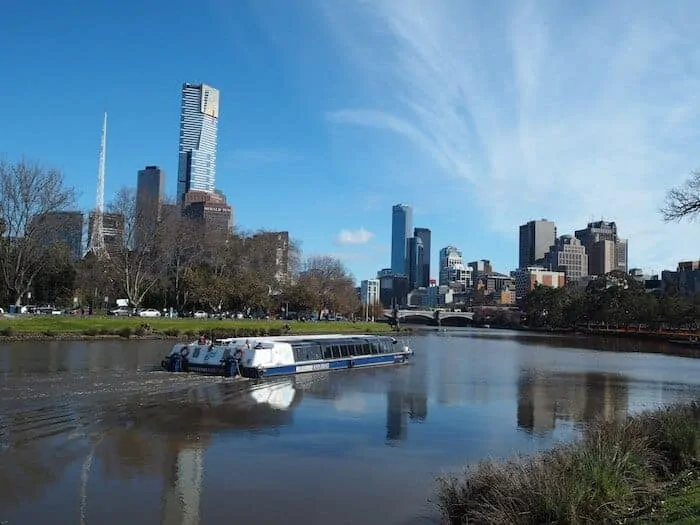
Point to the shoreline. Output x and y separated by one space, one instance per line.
46 329
643 470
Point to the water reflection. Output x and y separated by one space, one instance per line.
546 396
84 425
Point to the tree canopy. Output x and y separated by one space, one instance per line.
615 298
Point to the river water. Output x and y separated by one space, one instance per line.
92 432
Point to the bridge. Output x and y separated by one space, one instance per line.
430 315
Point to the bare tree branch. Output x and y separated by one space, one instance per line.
683 201
142 258
28 192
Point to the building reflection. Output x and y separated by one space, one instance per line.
547 397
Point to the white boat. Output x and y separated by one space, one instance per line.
254 357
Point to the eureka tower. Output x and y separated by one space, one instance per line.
199 119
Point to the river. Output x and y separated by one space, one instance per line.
92 432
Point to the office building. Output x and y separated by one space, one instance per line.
480 267
527 278
606 251
59 227
415 263
369 291
210 209
449 257
150 188
424 235
401 228
199 116
273 254
112 228
535 239
568 255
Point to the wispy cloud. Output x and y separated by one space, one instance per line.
359 236
565 111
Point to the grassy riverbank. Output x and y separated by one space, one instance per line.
642 471
72 327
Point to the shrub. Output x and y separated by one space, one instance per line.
172 332
91 332
49 333
124 332
7 332
610 475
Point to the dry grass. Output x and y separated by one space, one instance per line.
614 473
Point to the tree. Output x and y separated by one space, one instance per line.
185 239
56 283
210 281
28 193
684 200
142 257
330 286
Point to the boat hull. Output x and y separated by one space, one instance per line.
335 364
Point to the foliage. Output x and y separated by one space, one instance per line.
615 298
613 474
158 258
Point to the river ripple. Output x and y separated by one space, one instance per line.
92 432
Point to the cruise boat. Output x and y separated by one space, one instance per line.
255 357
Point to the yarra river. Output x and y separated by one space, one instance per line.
92 432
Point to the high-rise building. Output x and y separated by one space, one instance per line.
369 291
199 117
150 187
568 255
424 235
535 239
113 230
480 267
210 209
401 228
59 227
603 257
415 262
273 253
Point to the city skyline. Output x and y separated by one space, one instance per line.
478 139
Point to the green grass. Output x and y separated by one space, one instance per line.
631 472
49 326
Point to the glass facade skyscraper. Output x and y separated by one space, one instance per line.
401 231
199 118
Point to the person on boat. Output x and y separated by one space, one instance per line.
247 344
202 340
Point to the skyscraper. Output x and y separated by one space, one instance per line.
424 235
415 263
150 186
603 257
535 239
401 228
199 117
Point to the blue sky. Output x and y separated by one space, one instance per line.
480 115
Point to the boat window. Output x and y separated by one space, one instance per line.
195 354
307 352
375 348
358 349
336 351
366 349
327 354
344 350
